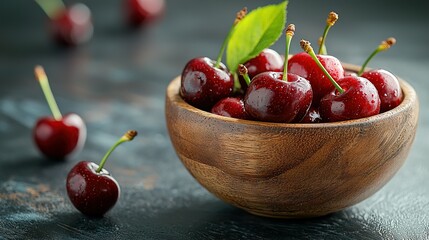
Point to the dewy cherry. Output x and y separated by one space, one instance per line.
57 137
69 26
204 81
277 96
387 84
353 97
91 188
303 65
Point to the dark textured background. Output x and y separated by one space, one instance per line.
117 81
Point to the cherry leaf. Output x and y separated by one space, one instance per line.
260 29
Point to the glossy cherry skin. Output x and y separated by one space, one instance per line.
203 84
60 139
139 12
270 99
267 61
73 25
387 86
91 193
231 107
360 99
303 65
312 116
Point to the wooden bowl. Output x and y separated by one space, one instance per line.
291 170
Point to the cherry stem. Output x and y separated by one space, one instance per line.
128 136
51 7
330 21
306 46
44 83
290 31
243 72
240 15
384 45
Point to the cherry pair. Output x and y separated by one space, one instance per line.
90 187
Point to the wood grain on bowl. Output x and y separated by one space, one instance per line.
291 170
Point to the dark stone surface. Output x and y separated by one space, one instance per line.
117 81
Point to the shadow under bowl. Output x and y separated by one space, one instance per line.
290 170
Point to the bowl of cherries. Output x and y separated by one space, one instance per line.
304 139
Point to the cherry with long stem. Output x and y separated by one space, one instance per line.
44 83
306 46
57 137
330 21
240 15
91 188
384 45
128 136
279 96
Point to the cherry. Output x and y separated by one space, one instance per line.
360 99
69 26
91 188
387 86
353 97
303 65
266 61
385 82
277 96
140 12
231 107
204 81
58 137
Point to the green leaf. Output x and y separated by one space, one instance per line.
260 29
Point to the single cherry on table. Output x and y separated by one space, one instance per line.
279 96
91 188
204 82
69 26
57 137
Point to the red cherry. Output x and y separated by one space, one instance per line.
303 65
386 83
360 99
90 188
231 107
267 61
92 193
58 139
387 86
203 84
72 26
269 98
278 96
143 11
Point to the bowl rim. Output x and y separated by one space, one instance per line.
409 98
